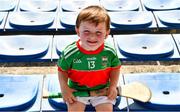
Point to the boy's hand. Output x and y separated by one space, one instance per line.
112 93
68 96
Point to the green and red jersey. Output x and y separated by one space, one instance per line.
88 70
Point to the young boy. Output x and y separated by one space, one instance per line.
89 64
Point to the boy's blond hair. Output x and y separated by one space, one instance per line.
95 14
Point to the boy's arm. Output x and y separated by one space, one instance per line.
63 79
114 78
66 91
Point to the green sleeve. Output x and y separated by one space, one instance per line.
62 62
115 61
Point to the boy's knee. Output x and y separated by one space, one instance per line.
108 107
77 106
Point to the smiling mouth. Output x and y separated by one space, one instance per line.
92 42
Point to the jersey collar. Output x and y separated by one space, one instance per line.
89 52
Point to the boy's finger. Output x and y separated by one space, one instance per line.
70 100
74 98
111 96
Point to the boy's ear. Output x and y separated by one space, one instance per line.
77 31
107 33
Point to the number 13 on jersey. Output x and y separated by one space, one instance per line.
91 64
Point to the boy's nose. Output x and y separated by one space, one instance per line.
93 36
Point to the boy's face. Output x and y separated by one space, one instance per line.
92 36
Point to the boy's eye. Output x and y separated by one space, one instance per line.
98 33
86 32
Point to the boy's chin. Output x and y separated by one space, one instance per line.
92 48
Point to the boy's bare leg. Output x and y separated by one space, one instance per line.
105 107
76 106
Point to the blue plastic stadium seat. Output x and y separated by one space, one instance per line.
52 84
177 40
20 92
31 21
168 19
77 5
146 47
132 20
68 19
38 5
2 20
60 42
8 5
25 48
161 5
121 5
165 91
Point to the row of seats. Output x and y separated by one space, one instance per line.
64 23
24 93
76 5
140 47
